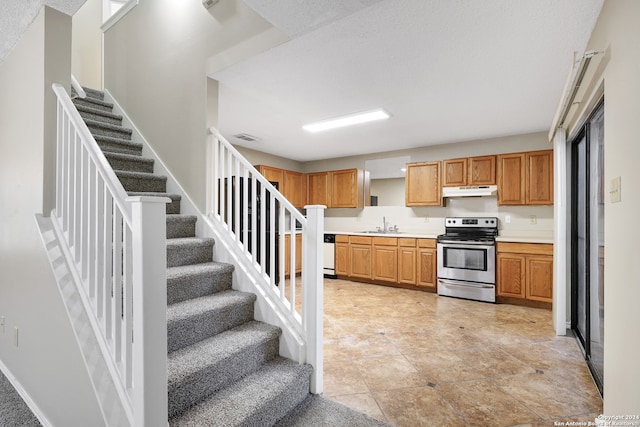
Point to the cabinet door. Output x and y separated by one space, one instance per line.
287 255
427 268
318 188
539 178
298 253
422 186
293 188
540 278
511 275
272 174
344 188
342 259
360 261
482 170
454 173
385 263
407 265
511 179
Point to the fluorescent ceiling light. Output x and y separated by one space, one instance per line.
352 119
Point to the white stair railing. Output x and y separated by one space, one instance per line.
116 247
259 218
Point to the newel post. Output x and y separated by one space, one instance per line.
313 293
149 310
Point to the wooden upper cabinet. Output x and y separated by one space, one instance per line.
539 178
272 174
318 188
481 170
511 179
345 191
422 184
294 188
454 173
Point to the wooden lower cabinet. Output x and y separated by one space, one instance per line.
404 262
426 264
287 254
385 259
360 257
525 271
407 253
342 255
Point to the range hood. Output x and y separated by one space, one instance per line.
470 191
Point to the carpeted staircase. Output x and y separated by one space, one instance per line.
223 366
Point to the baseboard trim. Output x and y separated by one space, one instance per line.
25 396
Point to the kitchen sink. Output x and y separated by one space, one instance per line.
380 232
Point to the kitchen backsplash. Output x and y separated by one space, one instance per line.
525 221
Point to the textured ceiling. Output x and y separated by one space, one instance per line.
447 71
17 15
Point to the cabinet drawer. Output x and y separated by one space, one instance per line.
426 243
385 241
525 248
407 242
362 240
342 238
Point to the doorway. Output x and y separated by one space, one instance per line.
587 242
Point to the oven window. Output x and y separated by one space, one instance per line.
465 259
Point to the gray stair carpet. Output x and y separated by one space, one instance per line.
13 410
223 366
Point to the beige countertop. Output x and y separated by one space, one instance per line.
434 234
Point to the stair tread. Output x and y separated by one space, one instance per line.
125 156
189 360
190 241
116 128
95 101
231 405
192 269
219 301
85 109
114 140
142 175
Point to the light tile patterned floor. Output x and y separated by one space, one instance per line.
415 359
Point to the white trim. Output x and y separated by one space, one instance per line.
113 19
560 247
25 396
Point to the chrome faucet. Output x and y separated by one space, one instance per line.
384 224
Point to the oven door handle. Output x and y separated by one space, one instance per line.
464 243
466 285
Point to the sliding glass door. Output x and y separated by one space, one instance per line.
587 243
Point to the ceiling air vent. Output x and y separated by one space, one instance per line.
246 137
208 3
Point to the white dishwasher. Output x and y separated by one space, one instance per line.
329 266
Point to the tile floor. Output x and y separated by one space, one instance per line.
415 359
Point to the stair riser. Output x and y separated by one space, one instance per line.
173 207
101 118
196 286
130 165
96 130
280 405
87 103
176 229
192 254
208 381
185 332
143 184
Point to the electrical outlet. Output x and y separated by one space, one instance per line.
507 219
15 336
533 219
2 324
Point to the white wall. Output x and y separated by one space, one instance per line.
86 60
155 67
46 362
617 30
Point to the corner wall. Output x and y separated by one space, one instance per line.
86 60
46 362
156 68
617 30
